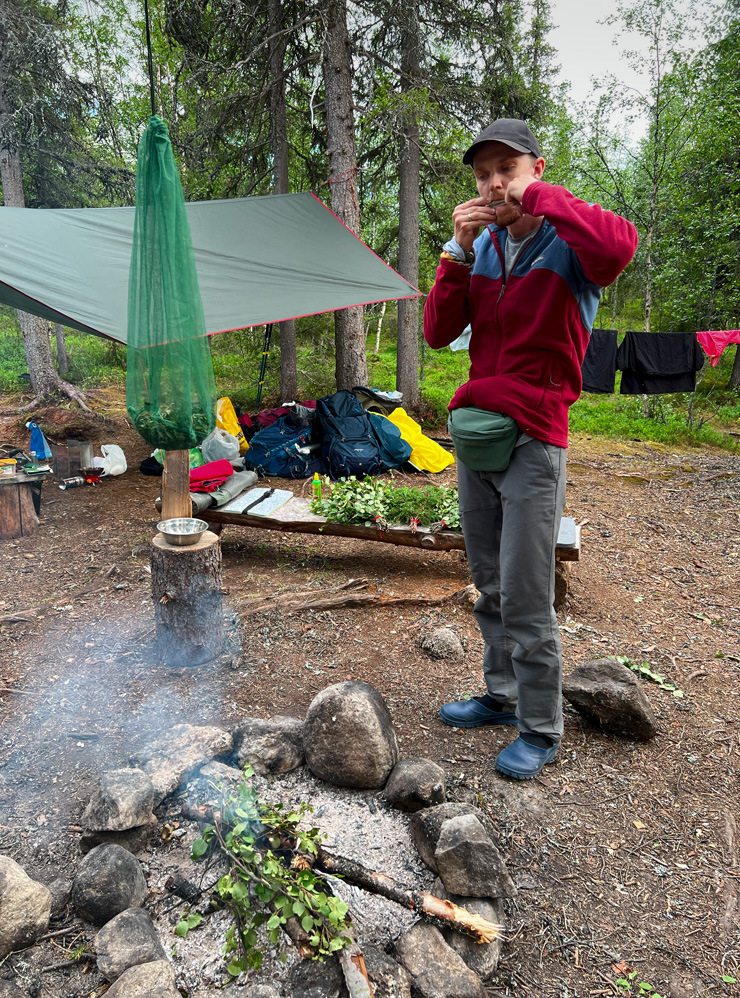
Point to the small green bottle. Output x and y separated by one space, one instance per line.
316 486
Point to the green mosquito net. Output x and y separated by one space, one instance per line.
170 389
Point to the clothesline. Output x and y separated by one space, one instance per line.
651 363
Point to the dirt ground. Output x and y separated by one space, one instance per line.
626 855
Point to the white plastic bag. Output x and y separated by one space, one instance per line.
220 445
114 460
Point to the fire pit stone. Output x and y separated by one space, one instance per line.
133 840
170 758
427 824
124 799
438 971
483 958
272 746
126 941
348 736
148 980
108 881
25 907
414 784
468 862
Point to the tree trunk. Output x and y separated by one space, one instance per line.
735 376
407 362
188 600
62 359
349 332
279 129
35 330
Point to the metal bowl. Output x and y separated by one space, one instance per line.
182 530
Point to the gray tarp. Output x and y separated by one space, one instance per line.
260 259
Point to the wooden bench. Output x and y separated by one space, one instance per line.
296 517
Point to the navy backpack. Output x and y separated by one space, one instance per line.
348 444
274 451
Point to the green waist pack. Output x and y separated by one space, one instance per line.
483 440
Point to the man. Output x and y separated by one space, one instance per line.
529 285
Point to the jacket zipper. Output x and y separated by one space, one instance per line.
504 282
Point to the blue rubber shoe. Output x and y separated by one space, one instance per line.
473 714
523 761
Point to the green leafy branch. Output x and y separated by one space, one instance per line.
270 882
366 501
646 670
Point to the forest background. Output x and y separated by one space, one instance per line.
370 105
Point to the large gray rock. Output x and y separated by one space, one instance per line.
427 824
310 979
261 991
442 643
414 784
483 958
126 941
389 979
133 840
438 971
124 799
348 736
469 863
271 746
609 694
109 880
169 759
148 980
25 907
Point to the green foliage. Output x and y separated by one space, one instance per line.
269 879
191 921
377 500
646 670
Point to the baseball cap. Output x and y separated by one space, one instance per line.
511 131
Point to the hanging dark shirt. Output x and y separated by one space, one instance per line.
600 363
659 363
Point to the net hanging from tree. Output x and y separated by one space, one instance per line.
170 388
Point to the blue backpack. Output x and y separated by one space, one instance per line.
274 451
348 444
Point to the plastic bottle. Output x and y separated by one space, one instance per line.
316 486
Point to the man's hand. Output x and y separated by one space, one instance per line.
516 188
469 218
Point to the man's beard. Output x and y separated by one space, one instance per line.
508 213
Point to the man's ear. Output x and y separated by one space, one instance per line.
538 168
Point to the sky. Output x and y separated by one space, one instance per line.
585 47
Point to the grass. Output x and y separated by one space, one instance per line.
96 362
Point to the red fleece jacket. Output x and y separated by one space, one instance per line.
531 331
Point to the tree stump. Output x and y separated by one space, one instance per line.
188 600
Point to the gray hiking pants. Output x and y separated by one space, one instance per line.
511 520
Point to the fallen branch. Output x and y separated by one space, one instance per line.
341 598
444 914
353 967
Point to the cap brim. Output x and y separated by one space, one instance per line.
470 153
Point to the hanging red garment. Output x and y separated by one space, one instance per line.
713 343
210 476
